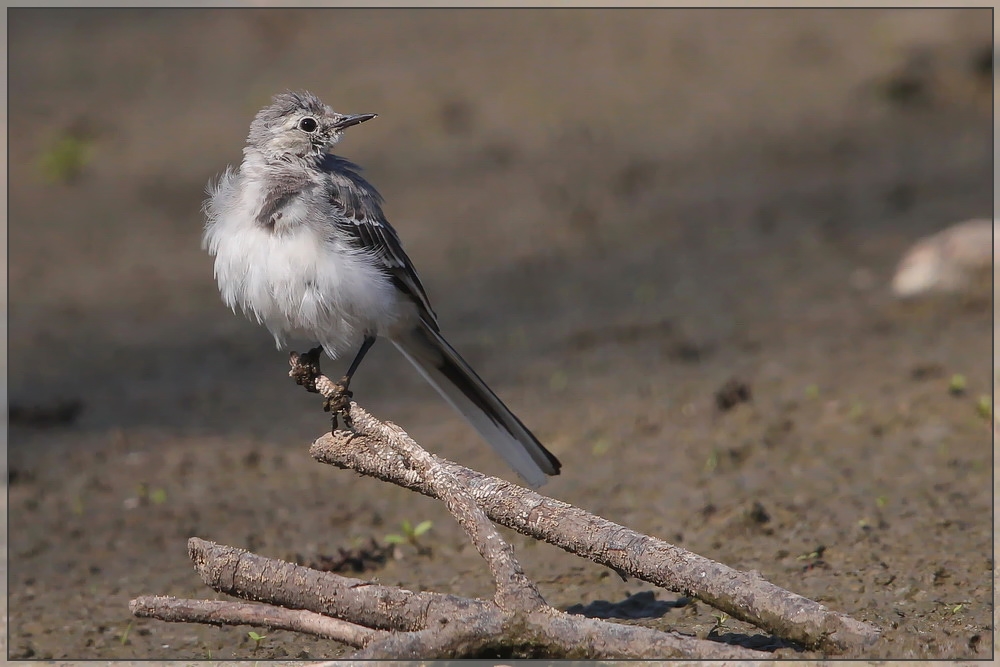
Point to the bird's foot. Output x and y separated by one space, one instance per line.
305 368
337 400
336 395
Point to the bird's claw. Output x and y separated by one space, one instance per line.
305 368
336 396
339 403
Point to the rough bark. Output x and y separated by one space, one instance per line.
743 595
227 612
388 622
422 625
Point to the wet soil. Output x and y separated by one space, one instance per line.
665 238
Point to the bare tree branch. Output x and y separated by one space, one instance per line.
742 595
514 591
438 625
227 612
578 637
246 575
458 640
396 623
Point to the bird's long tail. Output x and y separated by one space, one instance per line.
455 380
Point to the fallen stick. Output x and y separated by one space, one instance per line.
396 623
424 624
742 595
229 612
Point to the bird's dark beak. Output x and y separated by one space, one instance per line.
355 119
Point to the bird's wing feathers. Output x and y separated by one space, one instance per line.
364 221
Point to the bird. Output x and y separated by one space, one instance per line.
301 245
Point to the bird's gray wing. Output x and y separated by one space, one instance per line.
365 223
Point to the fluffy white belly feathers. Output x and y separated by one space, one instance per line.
296 277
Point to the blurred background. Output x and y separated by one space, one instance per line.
665 237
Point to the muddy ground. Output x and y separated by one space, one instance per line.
614 212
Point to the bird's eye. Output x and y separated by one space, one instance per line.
308 124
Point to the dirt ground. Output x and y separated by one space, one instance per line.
614 213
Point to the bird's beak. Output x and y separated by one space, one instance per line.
348 121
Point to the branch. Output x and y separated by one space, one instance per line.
578 637
517 622
246 575
434 624
551 632
458 640
745 596
225 612
514 591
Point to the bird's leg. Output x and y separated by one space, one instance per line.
365 346
339 402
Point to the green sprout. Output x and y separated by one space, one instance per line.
124 638
957 385
720 621
257 639
712 462
984 407
65 158
147 495
410 535
815 554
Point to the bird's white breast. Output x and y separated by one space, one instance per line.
297 278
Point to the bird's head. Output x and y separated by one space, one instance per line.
299 124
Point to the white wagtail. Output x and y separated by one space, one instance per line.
301 244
